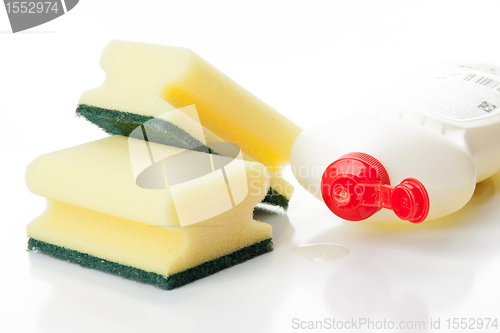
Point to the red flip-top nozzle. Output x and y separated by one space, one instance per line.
356 186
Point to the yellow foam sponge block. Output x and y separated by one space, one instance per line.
141 77
101 176
104 211
165 251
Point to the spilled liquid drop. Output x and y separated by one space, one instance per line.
322 252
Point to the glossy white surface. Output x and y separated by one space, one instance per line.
309 62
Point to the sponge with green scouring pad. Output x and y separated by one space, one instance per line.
144 82
98 216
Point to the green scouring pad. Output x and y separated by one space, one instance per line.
136 274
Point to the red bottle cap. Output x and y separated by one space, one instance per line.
356 186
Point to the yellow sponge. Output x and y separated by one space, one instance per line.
99 217
141 77
164 251
145 81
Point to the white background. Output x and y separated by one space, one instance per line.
309 60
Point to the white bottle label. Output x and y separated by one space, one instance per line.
461 93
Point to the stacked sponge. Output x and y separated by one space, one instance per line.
99 218
101 213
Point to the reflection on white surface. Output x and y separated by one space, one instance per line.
321 252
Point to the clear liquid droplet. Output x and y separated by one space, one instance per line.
322 252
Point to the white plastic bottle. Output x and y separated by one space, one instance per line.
418 152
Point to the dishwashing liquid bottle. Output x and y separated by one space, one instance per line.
415 155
